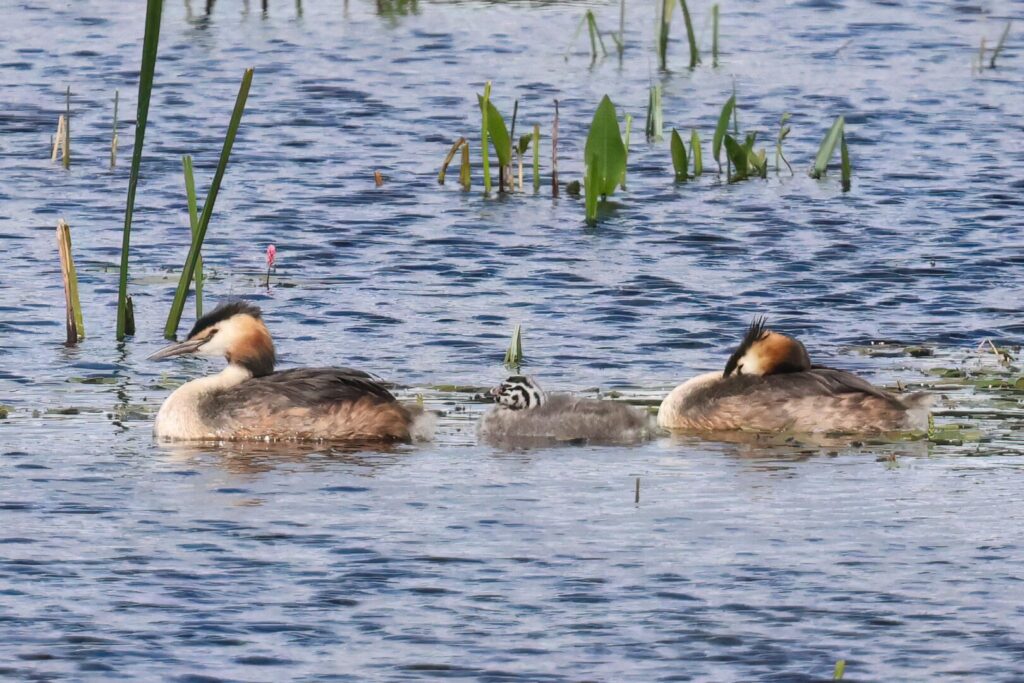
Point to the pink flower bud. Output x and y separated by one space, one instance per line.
271 255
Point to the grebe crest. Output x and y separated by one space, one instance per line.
519 392
234 331
764 352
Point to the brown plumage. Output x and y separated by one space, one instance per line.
769 385
249 400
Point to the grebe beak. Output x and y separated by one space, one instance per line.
178 349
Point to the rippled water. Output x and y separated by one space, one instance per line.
123 558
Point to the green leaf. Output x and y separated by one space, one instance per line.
514 353
150 41
738 156
678 155
695 151
188 271
844 156
498 132
721 128
590 184
604 154
828 147
484 145
524 143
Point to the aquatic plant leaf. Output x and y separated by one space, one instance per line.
738 156
827 148
604 154
721 128
695 152
150 41
189 269
691 39
498 132
514 353
844 156
678 155
524 143
484 145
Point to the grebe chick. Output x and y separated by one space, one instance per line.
525 413
248 400
770 385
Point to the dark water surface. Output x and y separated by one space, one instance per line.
121 558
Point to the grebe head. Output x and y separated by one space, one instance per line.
519 392
233 330
763 352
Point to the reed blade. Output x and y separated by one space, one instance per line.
514 353
999 45
464 175
67 129
536 157
188 271
827 148
720 130
663 29
714 35
75 324
193 220
448 159
694 52
844 156
150 41
113 135
484 129
679 162
696 153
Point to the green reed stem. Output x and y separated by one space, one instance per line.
535 143
484 144
193 219
154 8
188 271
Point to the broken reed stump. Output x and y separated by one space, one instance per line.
73 308
60 141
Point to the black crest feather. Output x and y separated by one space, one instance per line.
755 333
224 311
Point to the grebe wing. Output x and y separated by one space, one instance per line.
317 386
832 382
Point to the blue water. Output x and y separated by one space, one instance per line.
123 558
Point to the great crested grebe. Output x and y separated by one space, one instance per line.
770 385
526 413
248 400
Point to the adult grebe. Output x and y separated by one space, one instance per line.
769 385
248 400
526 413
